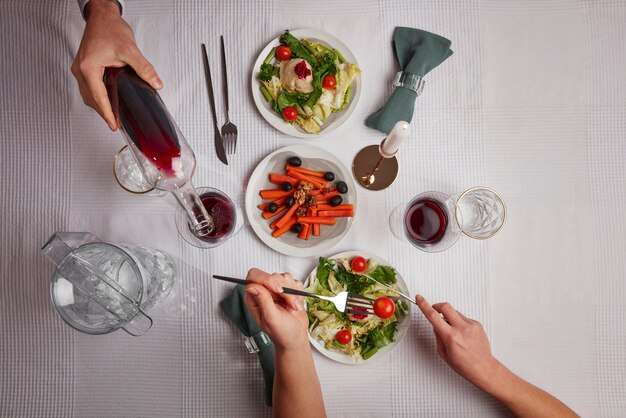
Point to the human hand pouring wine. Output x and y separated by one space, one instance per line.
165 158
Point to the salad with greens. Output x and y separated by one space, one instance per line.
306 81
358 335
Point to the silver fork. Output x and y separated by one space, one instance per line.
229 130
346 302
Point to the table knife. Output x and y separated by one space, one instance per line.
219 143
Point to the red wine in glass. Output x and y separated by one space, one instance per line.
426 221
143 117
222 211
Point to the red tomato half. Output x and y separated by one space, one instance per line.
384 307
283 53
290 113
358 264
329 82
343 337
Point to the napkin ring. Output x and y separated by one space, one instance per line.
409 81
257 342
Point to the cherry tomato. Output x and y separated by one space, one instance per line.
343 337
329 82
358 264
384 307
283 53
290 113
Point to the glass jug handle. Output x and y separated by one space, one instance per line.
139 325
62 243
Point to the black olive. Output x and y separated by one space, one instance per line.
329 175
336 201
342 187
295 161
286 186
272 207
296 228
290 201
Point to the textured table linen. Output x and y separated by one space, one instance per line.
532 103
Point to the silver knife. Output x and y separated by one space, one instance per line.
219 143
391 288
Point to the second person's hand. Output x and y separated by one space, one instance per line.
108 41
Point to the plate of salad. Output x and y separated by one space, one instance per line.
301 200
306 83
356 339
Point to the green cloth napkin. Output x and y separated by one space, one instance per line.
417 52
235 308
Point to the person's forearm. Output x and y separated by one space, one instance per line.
522 398
97 6
297 389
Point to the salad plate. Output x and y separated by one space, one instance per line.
374 335
348 86
289 243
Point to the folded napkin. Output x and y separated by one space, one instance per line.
235 308
417 52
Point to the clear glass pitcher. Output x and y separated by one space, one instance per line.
99 287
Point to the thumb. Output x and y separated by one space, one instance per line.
143 68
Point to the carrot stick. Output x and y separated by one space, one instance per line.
303 170
279 202
287 216
279 231
316 227
280 179
338 207
273 224
324 220
319 183
267 215
306 232
327 196
336 213
273 194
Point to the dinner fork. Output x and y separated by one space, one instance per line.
229 130
346 302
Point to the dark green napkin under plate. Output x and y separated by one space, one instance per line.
417 52
235 308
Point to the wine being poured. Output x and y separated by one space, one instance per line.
166 160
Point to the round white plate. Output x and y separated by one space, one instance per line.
335 119
289 244
401 331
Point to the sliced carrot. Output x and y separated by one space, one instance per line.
326 197
324 220
280 179
273 224
319 183
303 170
279 202
273 194
286 227
316 227
336 213
306 232
287 216
322 206
267 215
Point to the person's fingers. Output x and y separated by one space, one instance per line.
262 302
253 305
442 351
438 323
266 279
449 313
294 301
142 67
98 92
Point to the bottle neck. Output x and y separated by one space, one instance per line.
199 220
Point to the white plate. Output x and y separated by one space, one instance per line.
335 119
401 331
289 244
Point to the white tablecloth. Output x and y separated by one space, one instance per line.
532 103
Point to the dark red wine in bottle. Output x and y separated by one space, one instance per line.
144 117
426 221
